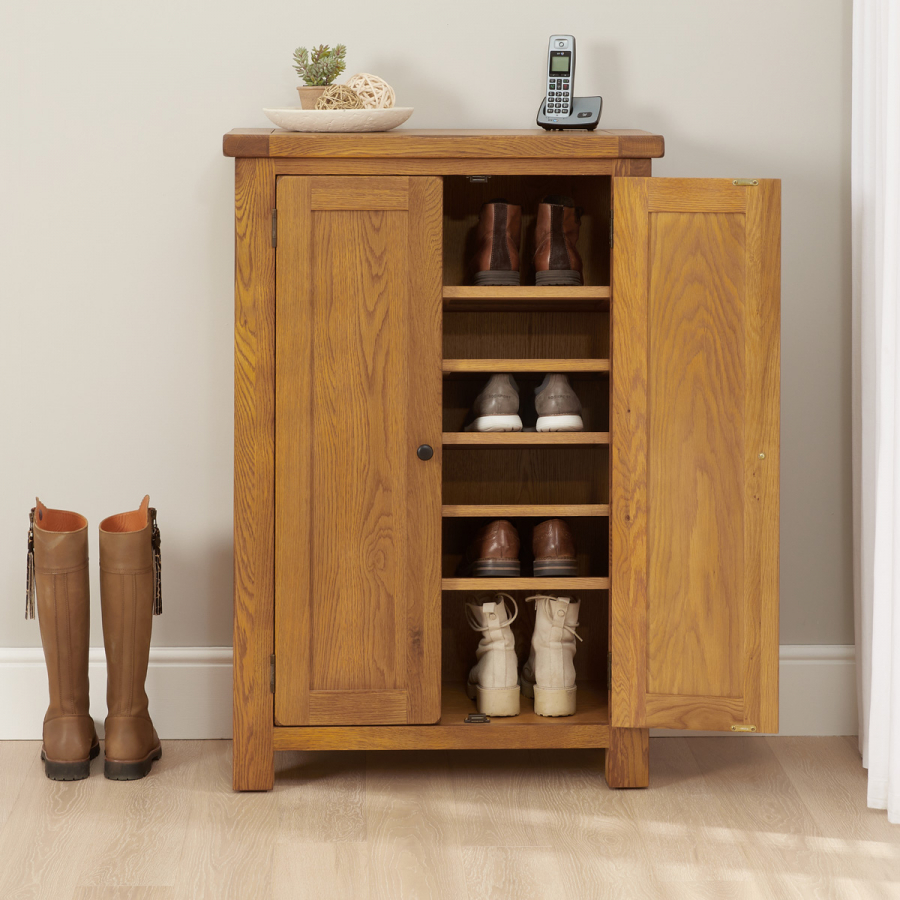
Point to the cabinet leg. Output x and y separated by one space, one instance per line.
628 758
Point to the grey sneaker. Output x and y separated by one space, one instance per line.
558 408
496 408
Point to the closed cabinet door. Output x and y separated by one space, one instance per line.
357 505
695 447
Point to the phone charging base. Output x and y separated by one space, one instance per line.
585 114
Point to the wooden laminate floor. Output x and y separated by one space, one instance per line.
723 818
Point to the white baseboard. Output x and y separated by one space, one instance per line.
190 691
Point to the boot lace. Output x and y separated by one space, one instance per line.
542 601
473 622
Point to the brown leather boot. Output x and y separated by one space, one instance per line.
557 405
494 553
497 241
554 550
556 261
58 576
129 597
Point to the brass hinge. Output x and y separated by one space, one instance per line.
745 182
610 229
609 671
274 227
743 728
272 673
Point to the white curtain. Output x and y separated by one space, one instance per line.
875 179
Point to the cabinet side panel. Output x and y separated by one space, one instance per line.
254 473
696 454
424 477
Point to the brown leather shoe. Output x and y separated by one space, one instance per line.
129 596
556 261
497 240
554 550
557 405
60 581
496 408
494 553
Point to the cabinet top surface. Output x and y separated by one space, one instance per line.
406 143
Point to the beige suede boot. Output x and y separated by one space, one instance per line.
492 682
58 581
130 594
549 674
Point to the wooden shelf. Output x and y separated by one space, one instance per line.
505 511
525 298
525 584
589 727
525 365
525 438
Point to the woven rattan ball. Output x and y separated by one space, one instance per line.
375 92
339 96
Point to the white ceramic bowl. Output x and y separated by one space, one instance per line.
339 119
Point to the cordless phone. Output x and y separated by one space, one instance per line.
560 75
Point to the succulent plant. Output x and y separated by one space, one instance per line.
322 65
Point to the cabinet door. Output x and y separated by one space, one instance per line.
695 419
358 390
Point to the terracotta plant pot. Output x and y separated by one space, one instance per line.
309 95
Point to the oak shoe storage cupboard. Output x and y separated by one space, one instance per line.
359 347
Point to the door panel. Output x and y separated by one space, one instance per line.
695 376
358 389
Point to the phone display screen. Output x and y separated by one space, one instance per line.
559 65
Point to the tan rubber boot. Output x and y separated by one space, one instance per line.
492 683
549 674
58 580
129 597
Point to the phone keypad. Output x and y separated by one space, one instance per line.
558 96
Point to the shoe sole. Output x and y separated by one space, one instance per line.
559 423
555 568
78 770
485 424
131 770
494 701
497 278
559 277
493 568
550 702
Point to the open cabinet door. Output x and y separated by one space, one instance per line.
695 431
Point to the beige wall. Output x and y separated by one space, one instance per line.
116 241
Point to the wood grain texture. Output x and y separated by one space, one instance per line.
628 453
444 167
494 511
525 298
454 144
762 435
525 438
628 758
527 584
254 473
695 195
695 491
764 817
358 290
710 624
359 193
525 365
587 728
